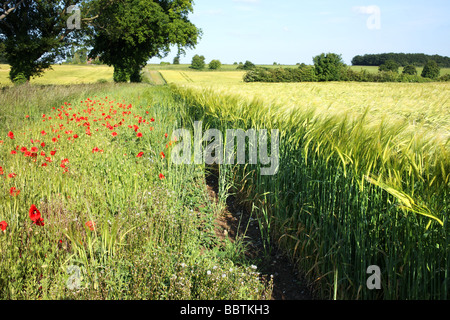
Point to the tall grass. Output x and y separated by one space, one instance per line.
117 225
351 192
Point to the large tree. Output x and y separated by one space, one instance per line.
34 34
127 33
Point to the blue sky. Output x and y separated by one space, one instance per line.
293 31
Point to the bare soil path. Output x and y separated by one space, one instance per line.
235 221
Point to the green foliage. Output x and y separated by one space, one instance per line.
176 60
431 70
215 65
328 66
445 77
248 65
142 29
410 70
34 35
303 74
20 79
389 65
403 59
120 75
198 62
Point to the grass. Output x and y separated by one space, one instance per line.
356 188
364 180
120 222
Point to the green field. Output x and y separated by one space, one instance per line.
363 179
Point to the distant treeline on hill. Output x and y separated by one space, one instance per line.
403 59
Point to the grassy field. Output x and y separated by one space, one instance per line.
364 179
91 207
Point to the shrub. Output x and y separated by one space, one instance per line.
410 70
198 62
328 66
248 65
20 79
389 65
431 70
445 77
176 60
215 65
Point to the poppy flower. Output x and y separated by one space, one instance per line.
152 120
140 154
166 135
43 132
75 136
161 176
12 175
42 144
162 155
11 135
34 149
35 216
139 135
14 192
1 171
3 226
90 225
52 153
13 152
54 139
114 134
96 149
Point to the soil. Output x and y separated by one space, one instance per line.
236 221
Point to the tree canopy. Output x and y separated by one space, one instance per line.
126 34
33 35
121 33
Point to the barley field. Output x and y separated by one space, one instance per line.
364 177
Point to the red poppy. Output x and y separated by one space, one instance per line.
162 155
90 225
152 120
96 149
140 154
52 153
114 134
13 152
43 132
166 135
54 139
34 149
12 175
161 176
11 135
42 144
3 226
75 136
14 192
35 216
1 171
44 164
139 135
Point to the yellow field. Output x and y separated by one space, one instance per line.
65 74
425 104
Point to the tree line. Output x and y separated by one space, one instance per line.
330 67
123 34
403 59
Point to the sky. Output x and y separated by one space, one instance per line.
294 31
